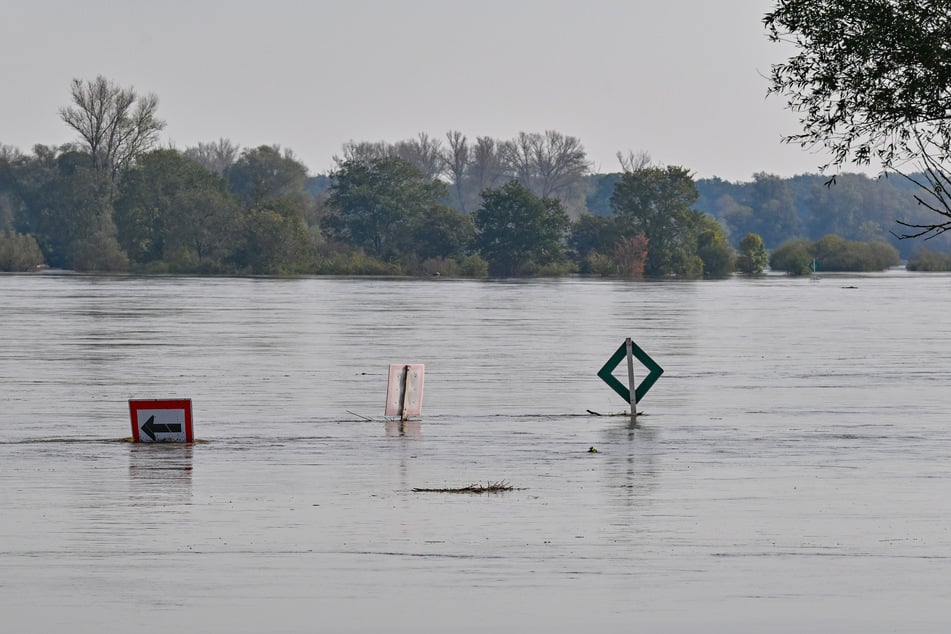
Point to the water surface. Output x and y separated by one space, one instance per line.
791 470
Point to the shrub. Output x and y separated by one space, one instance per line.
793 256
925 259
753 256
596 264
19 252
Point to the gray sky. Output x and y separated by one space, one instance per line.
679 79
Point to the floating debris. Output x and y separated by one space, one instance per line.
488 487
593 450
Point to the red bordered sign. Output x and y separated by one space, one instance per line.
168 420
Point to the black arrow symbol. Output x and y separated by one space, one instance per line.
151 428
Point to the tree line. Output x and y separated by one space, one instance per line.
116 201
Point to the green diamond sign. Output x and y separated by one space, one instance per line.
654 372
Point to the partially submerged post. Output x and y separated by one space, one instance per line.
631 387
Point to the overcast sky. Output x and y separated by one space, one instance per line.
680 79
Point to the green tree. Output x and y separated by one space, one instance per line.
266 173
66 206
380 204
439 232
10 204
593 234
520 233
871 82
753 256
657 202
171 209
275 239
19 252
714 249
272 187
593 242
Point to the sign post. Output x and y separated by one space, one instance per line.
165 420
631 387
632 395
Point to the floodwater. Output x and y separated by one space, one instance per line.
791 470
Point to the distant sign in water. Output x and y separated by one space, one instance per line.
654 372
404 390
165 420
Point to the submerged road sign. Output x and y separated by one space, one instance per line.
168 420
404 390
654 372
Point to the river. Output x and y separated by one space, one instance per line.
790 471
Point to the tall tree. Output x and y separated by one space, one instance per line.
658 202
486 170
753 256
275 239
172 209
714 251
425 152
115 124
871 81
456 161
375 203
550 165
520 233
66 207
268 172
438 232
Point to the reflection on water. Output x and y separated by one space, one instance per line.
160 472
411 428
790 474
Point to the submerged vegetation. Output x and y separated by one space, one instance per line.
833 253
488 487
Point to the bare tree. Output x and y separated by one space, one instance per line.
633 161
216 156
456 161
518 157
115 124
425 152
364 152
561 163
486 170
486 167
9 153
550 164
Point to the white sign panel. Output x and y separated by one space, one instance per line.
167 420
404 390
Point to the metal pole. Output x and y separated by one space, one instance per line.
628 344
404 397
